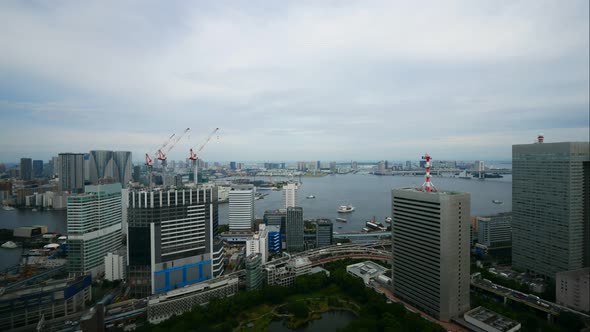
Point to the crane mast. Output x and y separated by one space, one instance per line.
149 162
194 155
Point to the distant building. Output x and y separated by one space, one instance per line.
94 228
276 217
324 233
112 165
572 289
550 206
354 165
26 169
295 229
495 231
38 168
274 239
430 241
241 208
408 165
254 276
115 264
172 239
290 195
258 244
232 165
71 172
333 168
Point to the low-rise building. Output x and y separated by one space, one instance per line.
254 277
366 270
572 289
115 264
490 321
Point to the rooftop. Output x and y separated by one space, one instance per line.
418 190
366 268
491 318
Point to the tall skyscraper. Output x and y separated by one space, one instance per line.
290 195
123 167
172 239
26 168
94 228
241 208
324 233
550 204
104 164
333 168
430 241
37 168
295 229
71 172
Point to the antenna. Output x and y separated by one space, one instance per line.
428 186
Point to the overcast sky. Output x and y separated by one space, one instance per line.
317 80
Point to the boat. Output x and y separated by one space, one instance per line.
341 219
310 197
371 224
7 208
345 208
34 210
495 201
388 220
9 245
365 229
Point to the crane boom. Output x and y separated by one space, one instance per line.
193 155
162 155
148 159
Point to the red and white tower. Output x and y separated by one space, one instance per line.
428 186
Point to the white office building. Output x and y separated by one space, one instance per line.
258 244
241 208
290 195
115 264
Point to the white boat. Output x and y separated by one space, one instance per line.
388 220
9 245
7 208
345 208
495 201
310 197
34 210
341 219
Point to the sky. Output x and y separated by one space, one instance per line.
293 80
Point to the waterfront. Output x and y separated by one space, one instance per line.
371 197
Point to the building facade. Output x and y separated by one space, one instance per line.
254 276
112 165
572 289
550 205
274 239
290 195
241 208
172 239
495 231
430 241
324 233
26 169
94 228
37 168
115 265
71 172
295 229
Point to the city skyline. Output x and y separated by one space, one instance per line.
292 81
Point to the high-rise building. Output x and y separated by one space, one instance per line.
123 166
572 289
354 165
274 239
136 173
258 243
408 165
295 229
26 168
71 172
324 233
241 208
430 241
94 228
172 239
290 195
550 204
38 168
254 276
495 231
115 265
101 165
232 165
333 168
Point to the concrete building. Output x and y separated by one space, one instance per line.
94 228
172 239
241 208
495 231
277 218
22 308
115 166
572 289
290 195
430 241
295 229
254 276
550 205
486 320
123 167
26 169
324 233
333 168
366 270
274 239
115 264
71 172
37 168
258 244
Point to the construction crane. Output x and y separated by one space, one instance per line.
162 156
194 155
149 161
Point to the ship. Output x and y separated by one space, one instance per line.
495 201
7 208
371 224
310 197
345 208
9 245
388 220
341 219
365 229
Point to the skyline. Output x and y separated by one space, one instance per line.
293 81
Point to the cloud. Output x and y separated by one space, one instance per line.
292 80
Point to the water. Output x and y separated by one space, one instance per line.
371 197
330 321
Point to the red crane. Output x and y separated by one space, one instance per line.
149 162
163 155
194 155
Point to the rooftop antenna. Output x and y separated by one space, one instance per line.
427 186
540 138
